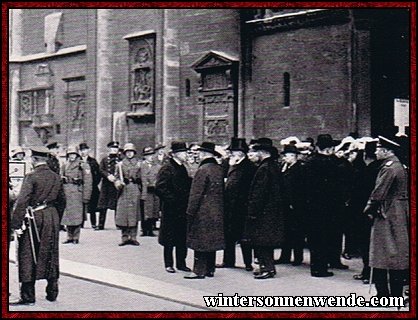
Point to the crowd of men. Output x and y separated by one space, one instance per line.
322 195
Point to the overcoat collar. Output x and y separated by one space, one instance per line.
266 160
208 160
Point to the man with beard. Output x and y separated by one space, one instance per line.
238 181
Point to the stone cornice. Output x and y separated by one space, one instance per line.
44 55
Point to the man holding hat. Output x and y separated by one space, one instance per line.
91 207
128 209
238 181
205 213
108 193
173 188
42 190
265 221
388 207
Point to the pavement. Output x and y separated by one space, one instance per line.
131 278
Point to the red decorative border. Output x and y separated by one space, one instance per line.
4 139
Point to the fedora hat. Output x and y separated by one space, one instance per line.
177 146
325 141
159 146
147 151
238 144
129 147
209 147
290 148
72 149
83 146
265 144
52 145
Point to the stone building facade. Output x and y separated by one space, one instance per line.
151 76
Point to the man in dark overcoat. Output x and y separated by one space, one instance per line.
238 181
323 192
96 177
293 195
265 221
42 189
109 193
53 162
389 208
173 188
205 213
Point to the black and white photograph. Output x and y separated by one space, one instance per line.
209 158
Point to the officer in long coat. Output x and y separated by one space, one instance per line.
265 222
205 213
293 195
238 181
323 192
108 193
388 206
173 188
53 161
91 207
42 189
77 186
127 216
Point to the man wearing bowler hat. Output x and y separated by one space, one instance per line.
238 181
108 193
173 188
38 236
205 213
265 221
388 207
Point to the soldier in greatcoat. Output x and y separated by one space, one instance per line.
150 204
238 181
265 221
205 213
293 195
173 188
323 195
42 189
91 207
77 186
129 184
388 207
108 193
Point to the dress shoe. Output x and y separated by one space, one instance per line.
366 281
223 265
123 243
99 229
76 241
346 256
281 261
185 269
338 266
151 234
51 298
194 276
265 275
210 274
170 270
296 263
359 277
93 226
21 302
249 268
257 272
134 243
68 241
319 274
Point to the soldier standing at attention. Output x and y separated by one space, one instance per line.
388 207
108 193
42 189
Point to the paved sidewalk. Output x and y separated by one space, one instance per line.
98 258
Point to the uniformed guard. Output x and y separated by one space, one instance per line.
388 207
53 162
128 208
39 209
108 193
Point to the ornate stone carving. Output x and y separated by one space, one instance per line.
26 105
77 106
216 128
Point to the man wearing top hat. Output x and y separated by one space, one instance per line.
324 198
128 209
238 181
205 213
91 207
265 222
108 193
173 188
388 207
293 196
38 258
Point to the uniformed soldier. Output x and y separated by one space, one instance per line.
128 209
150 204
108 193
388 207
53 162
38 258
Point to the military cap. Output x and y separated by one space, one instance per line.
209 147
147 151
52 145
387 143
129 147
177 146
83 146
39 151
113 144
